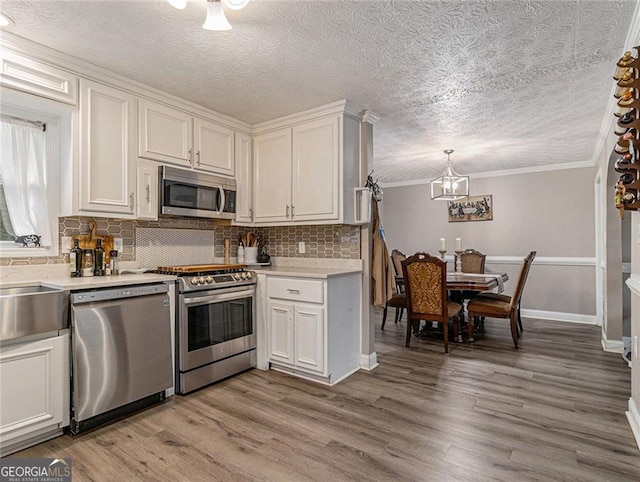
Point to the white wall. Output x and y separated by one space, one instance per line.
550 212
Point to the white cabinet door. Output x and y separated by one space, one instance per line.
244 178
272 176
107 170
165 134
316 164
280 323
34 388
147 190
214 147
309 337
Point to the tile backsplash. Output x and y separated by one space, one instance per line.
321 241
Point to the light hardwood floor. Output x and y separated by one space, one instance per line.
552 410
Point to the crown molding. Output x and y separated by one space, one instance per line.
506 172
370 117
41 53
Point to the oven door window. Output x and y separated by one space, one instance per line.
219 322
189 196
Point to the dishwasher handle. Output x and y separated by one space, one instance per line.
117 293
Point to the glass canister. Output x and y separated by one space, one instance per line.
114 263
87 263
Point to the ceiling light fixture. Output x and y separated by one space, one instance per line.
216 19
451 185
5 21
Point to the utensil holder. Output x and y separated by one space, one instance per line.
251 255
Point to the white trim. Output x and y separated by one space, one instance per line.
370 117
509 172
634 420
368 362
612 346
90 71
633 282
543 260
559 316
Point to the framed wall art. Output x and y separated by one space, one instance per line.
472 208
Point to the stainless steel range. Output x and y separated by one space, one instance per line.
215 316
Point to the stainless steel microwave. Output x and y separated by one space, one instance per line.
197 195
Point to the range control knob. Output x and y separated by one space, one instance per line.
194 281
243 275
209 280
249 274
236 275
201 280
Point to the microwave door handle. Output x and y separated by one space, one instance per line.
222 200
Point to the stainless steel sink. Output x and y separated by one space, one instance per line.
32 310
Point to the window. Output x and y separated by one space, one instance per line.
29 171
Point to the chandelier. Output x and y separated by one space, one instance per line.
216 19
451 185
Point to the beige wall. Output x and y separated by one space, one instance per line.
550 212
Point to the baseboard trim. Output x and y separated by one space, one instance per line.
611 346
634 420
559 316
368 362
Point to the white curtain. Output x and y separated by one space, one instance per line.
24 177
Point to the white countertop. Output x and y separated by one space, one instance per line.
91 282
304 272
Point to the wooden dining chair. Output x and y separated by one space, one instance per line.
425 281
470 261
399 299
495 305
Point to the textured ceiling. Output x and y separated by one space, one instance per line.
507 84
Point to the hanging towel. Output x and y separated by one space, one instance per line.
382 278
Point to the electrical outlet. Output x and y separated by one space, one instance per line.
301 247
65 244
118 245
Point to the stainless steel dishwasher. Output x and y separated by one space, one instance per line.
121 352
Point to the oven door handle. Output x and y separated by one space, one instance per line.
216 298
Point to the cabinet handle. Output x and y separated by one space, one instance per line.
148 188
251 214
190 151
287 210
292 211
131 201
296 292
198 156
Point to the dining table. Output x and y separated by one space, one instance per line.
465 282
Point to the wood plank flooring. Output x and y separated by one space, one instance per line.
552 410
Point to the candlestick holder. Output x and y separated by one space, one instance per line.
458 263
442 253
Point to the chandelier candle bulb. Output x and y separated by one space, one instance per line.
442 244
458 244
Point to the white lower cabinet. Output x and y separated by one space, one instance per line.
34 392
313 326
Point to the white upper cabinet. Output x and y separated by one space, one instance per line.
244 179
35 77
164 133
172 136
272 176
307 171
147 190
316 160
214 147
107 150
